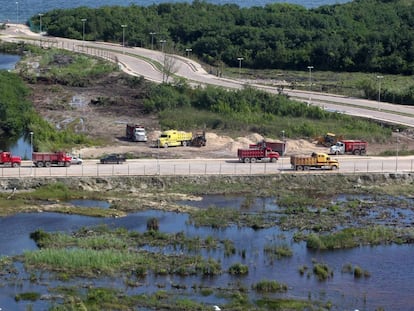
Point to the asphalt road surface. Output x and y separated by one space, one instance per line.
171 167
148 63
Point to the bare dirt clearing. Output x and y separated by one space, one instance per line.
103 109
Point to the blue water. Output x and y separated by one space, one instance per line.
389 287
8 62
20 11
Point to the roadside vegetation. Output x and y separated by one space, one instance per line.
213 108
331 38
133 257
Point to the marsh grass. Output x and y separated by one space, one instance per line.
279 251
238 269
354 237
52 191
322 271
109 252
84 261
214 217
356 271
31 296
269 286
282 304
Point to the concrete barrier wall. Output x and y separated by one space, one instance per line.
254 183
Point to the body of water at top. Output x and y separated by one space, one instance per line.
20 11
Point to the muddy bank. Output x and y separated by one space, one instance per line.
214 184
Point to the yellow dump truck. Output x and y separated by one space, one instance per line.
172 138
315 160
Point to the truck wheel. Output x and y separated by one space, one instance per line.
337 152
334 168
47 164
363 152
306 168
299 168
67 164
356 152
184 143
253 160
39 164
246 160
274 160
15 164
165 145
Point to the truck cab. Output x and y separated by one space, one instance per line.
7 158
136 132
338 148
172 138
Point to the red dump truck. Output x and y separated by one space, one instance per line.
252 155
47 159
279 147
356 147
6 158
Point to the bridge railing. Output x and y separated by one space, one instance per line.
203 167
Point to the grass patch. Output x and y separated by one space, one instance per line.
269 286
322 271
30 296
279 251
280 304
238 269
354 237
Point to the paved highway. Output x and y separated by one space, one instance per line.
171 167
148 63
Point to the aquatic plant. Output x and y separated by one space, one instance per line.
32 296
238 269
269 286
278 250
322 271
153 224
353 237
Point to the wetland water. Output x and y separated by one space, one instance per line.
389 285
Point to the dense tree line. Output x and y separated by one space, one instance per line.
15 109
363 35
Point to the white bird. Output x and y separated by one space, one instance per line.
216 308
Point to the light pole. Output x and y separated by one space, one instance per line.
123 36
83 20
379 90
40 23
152 39
17 12
163 54
31 144
240 63
188 52
396 158
283 148
31 152
310 83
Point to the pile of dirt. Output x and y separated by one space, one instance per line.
102 112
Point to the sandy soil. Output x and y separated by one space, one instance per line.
102 112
